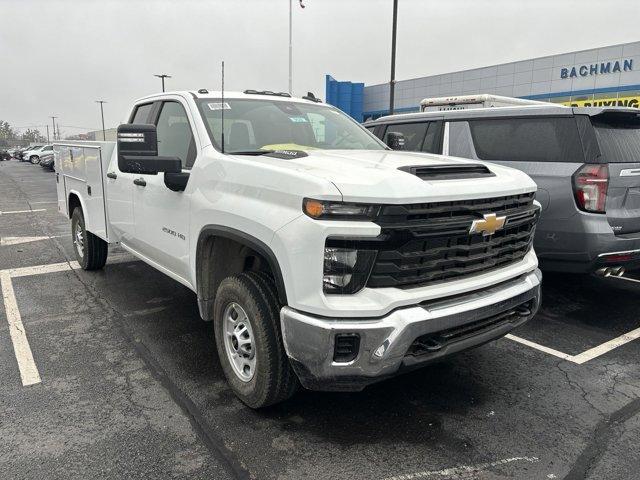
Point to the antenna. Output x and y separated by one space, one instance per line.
222 109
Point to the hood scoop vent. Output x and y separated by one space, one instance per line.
449 172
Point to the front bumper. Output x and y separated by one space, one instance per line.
388 345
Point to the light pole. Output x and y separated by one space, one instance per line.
47 134
53 121
392 82
162 76
291 44
101 102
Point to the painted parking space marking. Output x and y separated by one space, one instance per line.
29 373
627 279
20 240
542 348
606 347
26 364
23 211
461 470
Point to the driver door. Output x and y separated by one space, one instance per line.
162 215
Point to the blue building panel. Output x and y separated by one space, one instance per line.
347 96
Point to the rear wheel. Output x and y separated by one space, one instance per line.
35 159
249 342
91 251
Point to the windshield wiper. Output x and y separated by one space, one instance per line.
250 152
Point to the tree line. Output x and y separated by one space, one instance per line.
9 136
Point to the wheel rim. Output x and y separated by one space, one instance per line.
238 341
78 240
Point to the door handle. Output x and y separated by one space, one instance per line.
140 182
112 175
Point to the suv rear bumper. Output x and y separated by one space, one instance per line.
407 337
583 244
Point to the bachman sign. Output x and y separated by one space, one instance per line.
597 69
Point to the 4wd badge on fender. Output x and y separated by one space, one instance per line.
488 225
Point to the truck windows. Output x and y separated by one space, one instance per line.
175 138
540 139
266 124
141 114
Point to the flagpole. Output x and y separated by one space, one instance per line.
290 47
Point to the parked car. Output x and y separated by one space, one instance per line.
47 161
320 255
4 155
33 155
25 152
585 161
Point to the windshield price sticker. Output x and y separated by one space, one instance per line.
219 106
298 119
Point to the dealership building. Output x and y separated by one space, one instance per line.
599 76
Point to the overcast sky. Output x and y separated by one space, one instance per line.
58 57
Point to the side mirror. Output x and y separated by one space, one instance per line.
395 140
138 151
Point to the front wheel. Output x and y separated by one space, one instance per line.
91 251
249 341
35 159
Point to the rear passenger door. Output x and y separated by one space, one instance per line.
119 187
162 215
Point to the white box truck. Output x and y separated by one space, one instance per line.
465 102
323 257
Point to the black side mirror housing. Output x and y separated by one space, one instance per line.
395 140
138 151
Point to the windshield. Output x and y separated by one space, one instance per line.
618 136
264 124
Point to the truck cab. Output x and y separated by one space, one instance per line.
323 257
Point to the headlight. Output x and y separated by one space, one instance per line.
346 270
324 210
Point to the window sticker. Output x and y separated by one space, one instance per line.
219 106
299 119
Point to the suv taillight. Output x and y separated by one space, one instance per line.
590 184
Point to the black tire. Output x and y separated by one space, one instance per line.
273 380
34 159
91 251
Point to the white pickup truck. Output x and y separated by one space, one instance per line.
322 257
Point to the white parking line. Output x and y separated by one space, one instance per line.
24 211
27 366
542 348
21 240
461 470
626 279
606 347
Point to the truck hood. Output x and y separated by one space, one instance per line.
375 176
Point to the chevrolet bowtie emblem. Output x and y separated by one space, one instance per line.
488 225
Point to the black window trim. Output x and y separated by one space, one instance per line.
135 110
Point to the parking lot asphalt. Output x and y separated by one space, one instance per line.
128 385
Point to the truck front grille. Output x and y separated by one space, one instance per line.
429 243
